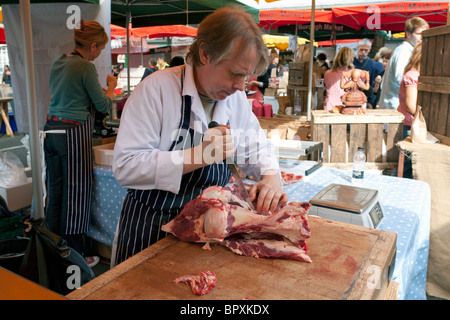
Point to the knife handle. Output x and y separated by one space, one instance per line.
213 124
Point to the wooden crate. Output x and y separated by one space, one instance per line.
298 74
342 134
286 128
434 80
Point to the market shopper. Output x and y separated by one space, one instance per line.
150 69
364 62
176 61
384 57
394 73
342 62
273 66
75 95
408 98
162 63
6 75
154 156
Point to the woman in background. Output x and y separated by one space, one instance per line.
407 97
384 55
408 89
332 79
75 95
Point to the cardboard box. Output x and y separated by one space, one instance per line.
18 197
270 92
103 154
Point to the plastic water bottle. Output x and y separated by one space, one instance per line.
359 163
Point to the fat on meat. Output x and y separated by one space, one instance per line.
221 215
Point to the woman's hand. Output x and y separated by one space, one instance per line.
269 193
111 81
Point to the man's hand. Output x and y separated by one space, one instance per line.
269 193
217 145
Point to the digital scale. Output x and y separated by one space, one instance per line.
350 204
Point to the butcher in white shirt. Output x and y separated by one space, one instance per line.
154 154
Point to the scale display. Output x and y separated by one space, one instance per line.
348 204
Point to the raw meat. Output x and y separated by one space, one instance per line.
266 246
220 213
287 177
201 284
290 177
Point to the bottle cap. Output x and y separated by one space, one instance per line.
360 149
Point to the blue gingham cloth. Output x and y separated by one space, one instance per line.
406 204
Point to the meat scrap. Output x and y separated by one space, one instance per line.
286 177
289 178
221 215
201 284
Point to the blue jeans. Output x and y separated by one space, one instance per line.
407 164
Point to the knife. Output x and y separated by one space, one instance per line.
234 171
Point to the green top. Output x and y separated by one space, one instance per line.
73 86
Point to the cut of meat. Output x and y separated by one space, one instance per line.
290 177
201 284
220 213
266 246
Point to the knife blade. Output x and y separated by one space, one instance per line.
234 171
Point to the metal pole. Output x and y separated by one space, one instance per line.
128 47
311 52
27 40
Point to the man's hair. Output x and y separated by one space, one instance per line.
220 31
417 22
365 42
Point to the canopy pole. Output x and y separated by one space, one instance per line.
142 52
36 168
311 52
128 46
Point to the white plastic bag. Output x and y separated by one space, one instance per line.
12 171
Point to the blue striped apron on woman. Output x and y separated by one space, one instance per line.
68 153
145 211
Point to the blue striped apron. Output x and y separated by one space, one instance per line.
73 204
79 177
145 211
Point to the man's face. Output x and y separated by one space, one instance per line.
223 79
416 37
363 52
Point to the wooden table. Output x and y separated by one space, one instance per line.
5 115
15 287
348 260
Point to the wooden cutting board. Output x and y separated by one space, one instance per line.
348 260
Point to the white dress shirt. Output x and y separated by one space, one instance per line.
393 76
151 117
